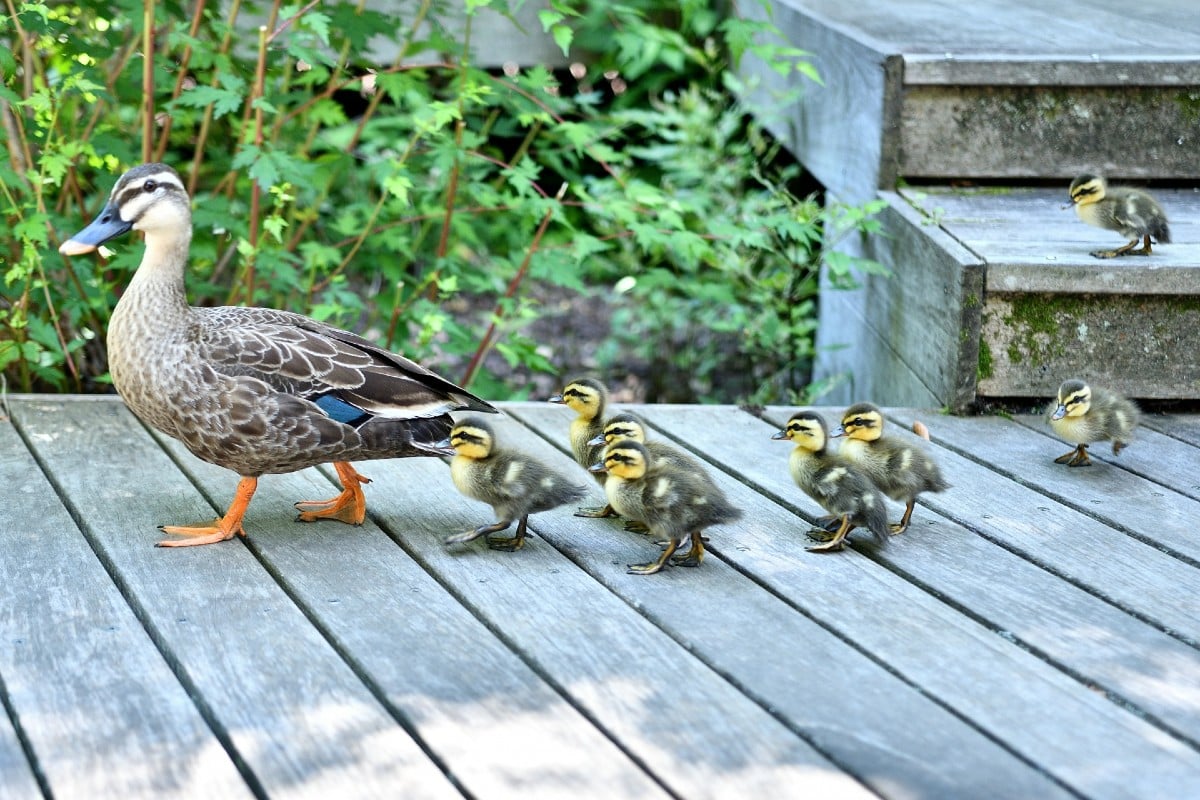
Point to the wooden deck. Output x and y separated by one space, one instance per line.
1034 635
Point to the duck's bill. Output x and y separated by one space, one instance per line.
104 227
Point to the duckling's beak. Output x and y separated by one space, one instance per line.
558 398
840 430
598 467
595 440
1059 412
1066 205
779 435
104 227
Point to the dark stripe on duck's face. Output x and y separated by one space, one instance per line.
460 436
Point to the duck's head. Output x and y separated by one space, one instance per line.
806 429
585 396
625 459
149 198
472 437
862 421
1074 399
620 427
1087 188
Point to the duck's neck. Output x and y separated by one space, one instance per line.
159 278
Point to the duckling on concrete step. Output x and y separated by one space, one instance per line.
901 470
588 398
515 485
1085 415
1130 212
836 484
673 502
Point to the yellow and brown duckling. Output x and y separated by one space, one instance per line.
515 485
588 398
620 427
835 483
1085 415
1130 212
674 503
901 470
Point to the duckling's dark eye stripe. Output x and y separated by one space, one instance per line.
465 438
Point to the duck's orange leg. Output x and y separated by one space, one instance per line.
350 506
222 528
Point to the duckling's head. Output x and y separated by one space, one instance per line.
472 437
620 427
149 198
862 421
585 396
1074 399
626 459
1088 188
807 430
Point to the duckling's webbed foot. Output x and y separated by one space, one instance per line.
654 566
1076 458
821 534
633 526
598 512
693 557
482 530
510 544
836 540
900 527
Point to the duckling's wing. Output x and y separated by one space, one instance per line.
350 378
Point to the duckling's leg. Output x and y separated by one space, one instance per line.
1076 458
901 526
655 566
510 544
1121 251
222 528
605 511
1144 250
350 506
835 542
693 557
482 530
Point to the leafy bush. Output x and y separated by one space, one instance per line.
425 202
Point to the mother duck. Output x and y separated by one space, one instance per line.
254 390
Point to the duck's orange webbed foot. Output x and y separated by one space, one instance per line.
221 529
350 506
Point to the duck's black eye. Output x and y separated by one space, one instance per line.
149 186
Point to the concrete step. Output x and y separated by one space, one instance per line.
994 294
1010 89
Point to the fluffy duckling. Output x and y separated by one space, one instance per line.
1130 212
674 503
837 485
513 484
588 398
1085 415
900 470
620 427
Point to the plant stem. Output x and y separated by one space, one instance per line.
147 79
184 60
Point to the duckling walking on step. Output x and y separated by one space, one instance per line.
838 486
1085 415
674 503
1130 212
587 398
513 484
900 470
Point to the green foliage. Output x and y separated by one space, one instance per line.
418 200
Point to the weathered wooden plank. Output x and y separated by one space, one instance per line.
1084 624
17 780
499 728
101 709
1037 711
290 709
1143 509
912 335
868 720
1184 427
695 731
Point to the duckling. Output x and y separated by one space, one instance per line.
254 390
1085 415
836 484
1130 212
627 426
900 470
588 398
673 502
513 484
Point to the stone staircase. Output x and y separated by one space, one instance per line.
971 119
